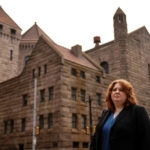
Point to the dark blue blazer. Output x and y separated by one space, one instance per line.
130 131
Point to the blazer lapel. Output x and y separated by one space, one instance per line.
104 118
120 116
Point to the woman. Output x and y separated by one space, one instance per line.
125 125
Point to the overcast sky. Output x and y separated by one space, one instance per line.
71 22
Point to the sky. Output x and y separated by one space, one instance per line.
71 22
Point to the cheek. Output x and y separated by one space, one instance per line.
124 96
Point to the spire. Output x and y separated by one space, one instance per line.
120 25
119 11
4 18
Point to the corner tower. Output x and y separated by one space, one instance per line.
120 25
10 34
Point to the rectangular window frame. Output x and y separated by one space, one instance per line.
42 95
50 120
74 93
74 120
23 124
83 122
82 75
51 93
24 100
41 122
98 98
82 95
11 126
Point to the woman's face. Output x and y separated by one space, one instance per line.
118 96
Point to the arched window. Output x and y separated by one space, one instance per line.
26 59
104 64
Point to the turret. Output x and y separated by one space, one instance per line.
120 25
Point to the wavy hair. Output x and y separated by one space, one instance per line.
127 88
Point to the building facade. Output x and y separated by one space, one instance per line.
67 79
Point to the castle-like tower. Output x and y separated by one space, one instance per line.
10 34
120 25
127 56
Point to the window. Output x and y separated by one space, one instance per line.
33 73
41 121
98 98
21 146
74 120
51 92
74 93
55 144
45 69
23 124
24 100
11 126
26 59
120 18
74 72
98 80
82 95
50 120
39 71
82 74
83 122
85 144
105 66
1 27
75 144
11 54
42 95
13 31
5 126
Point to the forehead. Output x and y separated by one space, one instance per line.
117 85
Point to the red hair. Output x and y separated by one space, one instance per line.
127 88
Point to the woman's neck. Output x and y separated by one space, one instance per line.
117 111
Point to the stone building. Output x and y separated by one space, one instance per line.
66 80
127 56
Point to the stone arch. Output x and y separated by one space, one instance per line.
105 65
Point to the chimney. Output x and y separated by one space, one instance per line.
97 40
76 50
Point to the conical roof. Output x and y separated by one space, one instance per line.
4 18
119 11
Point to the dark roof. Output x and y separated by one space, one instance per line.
4 18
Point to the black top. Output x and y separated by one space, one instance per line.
130 131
